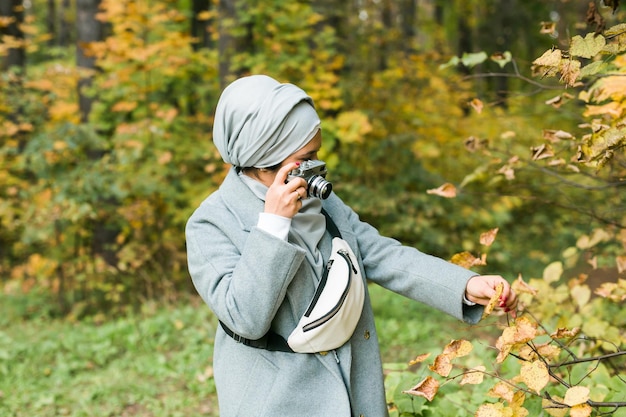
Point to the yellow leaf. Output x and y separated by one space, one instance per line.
502 390
43 85
552 272
206 15
64 111
535 375
580 410
477 105
588 47
494 301
124 106
458 348
446 190
576 395
474 376
427 388
493 410
522 331
581 295
547 65
467 260
353 126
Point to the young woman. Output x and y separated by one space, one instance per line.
258 248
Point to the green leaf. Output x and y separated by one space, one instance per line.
588 47
593 69
453 62
472 59
502 59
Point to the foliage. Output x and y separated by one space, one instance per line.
152 363
564 354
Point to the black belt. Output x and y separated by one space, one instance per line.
270 341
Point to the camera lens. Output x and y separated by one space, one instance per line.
319 187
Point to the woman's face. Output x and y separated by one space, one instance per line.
307 152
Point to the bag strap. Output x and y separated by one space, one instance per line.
272 340
330 225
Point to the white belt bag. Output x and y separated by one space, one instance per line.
334 311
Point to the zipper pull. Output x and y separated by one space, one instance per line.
336 356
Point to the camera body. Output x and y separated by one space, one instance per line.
314 173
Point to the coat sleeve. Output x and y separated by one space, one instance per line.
411 273
242 275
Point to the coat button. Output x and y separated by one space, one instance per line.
367 335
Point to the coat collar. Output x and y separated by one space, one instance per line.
240 200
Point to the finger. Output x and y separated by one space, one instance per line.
283 172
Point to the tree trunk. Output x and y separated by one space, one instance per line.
65 26
51 19
13 10
229 45
89 29
199 28
226 43
408 15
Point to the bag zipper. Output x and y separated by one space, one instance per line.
320 288
326 317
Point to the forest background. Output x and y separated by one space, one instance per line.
443 121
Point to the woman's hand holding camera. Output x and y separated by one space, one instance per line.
285 198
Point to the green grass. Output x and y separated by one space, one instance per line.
156 362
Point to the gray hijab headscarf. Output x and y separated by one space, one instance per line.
259 122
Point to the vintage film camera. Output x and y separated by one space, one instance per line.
313 171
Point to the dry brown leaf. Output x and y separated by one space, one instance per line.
474 376
419 359
535 375
563 333
548 351
521 287
427 388
467 260
522 331
477 105
458 348
446 190
542 152
494 301
488 237
442 365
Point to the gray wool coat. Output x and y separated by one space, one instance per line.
254 281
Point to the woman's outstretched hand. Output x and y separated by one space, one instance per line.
481 288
